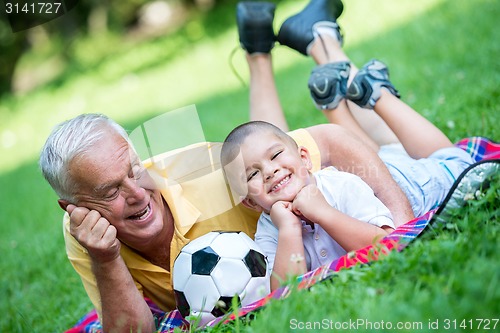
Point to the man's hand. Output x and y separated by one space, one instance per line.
123 305
94 233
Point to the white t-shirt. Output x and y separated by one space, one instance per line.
343 191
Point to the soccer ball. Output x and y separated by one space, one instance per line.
212 269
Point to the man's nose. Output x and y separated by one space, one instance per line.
134 192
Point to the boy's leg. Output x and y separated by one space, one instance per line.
314 31
264 100
419 136
368 127
255 27
371 88
257 38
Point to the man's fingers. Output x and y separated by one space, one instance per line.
78 215
110 232
104 233
99 227
83 221
95 233
109 236
70 208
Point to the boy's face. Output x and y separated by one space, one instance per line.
274 170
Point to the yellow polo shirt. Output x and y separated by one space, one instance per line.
192 183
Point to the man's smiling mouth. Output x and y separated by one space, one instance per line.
143 214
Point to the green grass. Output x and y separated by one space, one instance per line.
443 56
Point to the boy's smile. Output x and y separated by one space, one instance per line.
279 184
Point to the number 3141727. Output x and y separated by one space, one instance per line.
32 8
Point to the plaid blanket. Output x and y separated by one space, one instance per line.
478 147
165 322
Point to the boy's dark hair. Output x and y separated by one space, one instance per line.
234 140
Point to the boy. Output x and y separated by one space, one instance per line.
394 125
321 217
313 216
299 210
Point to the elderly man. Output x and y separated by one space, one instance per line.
127 220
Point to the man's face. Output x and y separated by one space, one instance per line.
274 170
111 180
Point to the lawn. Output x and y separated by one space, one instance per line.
443 56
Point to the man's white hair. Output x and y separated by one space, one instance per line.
68 140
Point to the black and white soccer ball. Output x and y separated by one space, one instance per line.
212 269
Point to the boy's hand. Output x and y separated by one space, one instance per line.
309 203
94 233
283 216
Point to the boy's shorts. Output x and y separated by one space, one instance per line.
426 181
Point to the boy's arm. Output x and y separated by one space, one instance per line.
341 149
352 234
290 257
349 232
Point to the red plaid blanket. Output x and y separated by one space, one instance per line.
478 147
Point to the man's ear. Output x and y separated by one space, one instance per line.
306 157
63 204
249 203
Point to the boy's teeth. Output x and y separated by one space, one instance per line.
280 183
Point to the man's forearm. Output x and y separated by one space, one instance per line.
374 172
341 149
123 306
391 195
